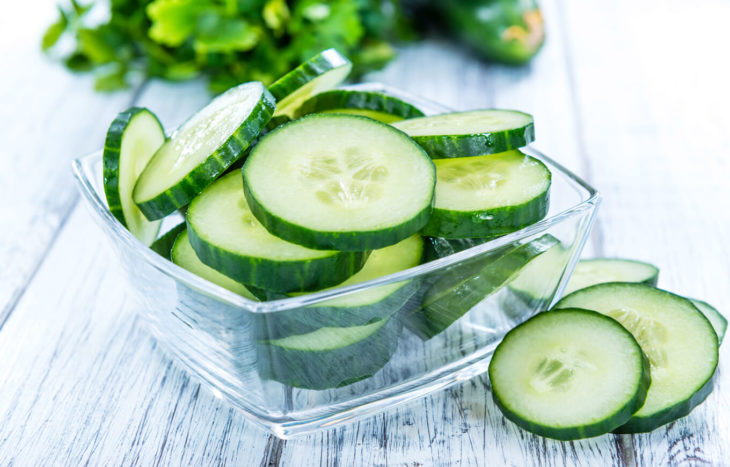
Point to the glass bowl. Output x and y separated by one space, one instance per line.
299 364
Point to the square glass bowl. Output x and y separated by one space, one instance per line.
298 364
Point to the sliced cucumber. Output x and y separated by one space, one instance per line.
227 237
330 357
719 323
184 256
569 374
679 341
598 270
461 288
339 182
537 282
442 247
376 105
163 245
322 72
472 133
488 196
202 149
131 141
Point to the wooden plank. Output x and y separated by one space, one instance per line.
48 116
654 110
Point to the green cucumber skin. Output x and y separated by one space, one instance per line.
491 223
368 100
447 146
279 276
584 431
455 293
304 73
163 245
332 368
112 152
216 164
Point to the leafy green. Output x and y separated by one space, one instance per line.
227 41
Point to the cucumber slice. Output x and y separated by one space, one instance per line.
472 133
488 196
376 105
718 322
536 282
202 149
679 341
358 308
339 182
569 374
330 357
227 237
184 256
460 289
132 139
322 72
598 270
163 245
442 247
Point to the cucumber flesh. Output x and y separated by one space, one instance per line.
163 245
598 270
536 282
376 105
488 196
202 149
227 237
339 182
472 133
678 340
322 72
131 141
569 374
719 323
184 256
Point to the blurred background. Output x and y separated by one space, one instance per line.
632 95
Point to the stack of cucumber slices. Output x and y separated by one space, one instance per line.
302 187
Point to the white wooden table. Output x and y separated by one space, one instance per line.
631 95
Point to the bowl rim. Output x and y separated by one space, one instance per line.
83 165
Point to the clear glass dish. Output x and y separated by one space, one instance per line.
382 357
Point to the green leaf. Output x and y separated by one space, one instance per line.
81 9
78 62
54 32
276 15
97 44
220 35
174 21
111 80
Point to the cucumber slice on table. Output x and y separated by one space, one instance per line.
163 245
678 340
719 323
598 270
330 357
472 133
358 308
322 72
339 182
488 196
202 149
227 237
376 105
132 139
461 288
184 256
569 374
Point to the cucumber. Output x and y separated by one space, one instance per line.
488 196
679 341
357 308
227 237
340 182
569 374
184 256
202 149
163 245
322 72
132 139
472 133
376 105
595 271
718 322
330 357
466 284
536 282
436 248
